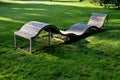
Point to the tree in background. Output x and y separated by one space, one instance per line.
107 3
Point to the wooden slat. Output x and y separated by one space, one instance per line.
97 20
30 29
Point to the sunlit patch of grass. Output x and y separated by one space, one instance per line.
106 43
9 20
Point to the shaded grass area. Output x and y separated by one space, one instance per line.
95 57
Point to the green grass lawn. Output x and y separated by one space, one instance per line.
95 57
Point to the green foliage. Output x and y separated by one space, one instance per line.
94 57
107 3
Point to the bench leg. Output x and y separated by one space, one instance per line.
30 45
107 21
49 35
15 45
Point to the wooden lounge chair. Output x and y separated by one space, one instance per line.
31 29
96 20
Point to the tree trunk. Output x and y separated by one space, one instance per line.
80 0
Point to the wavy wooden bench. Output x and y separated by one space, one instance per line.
96 21
31 29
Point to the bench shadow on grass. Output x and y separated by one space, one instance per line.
78 48
74 51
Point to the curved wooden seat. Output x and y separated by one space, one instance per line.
31 29
96 20
75 30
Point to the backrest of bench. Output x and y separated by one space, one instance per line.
32 28
97 20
